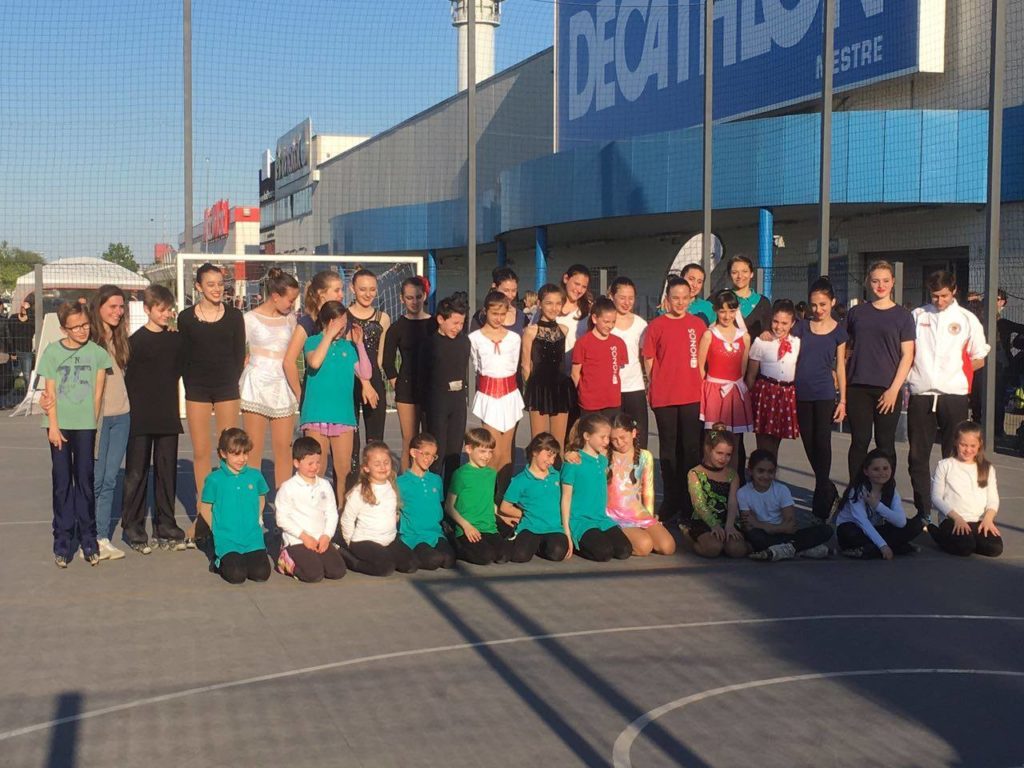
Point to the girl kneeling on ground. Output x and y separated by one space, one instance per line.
713 484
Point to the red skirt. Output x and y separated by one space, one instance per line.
732 408
775 409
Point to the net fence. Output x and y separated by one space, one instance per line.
340 128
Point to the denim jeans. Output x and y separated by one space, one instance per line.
74 507
113 443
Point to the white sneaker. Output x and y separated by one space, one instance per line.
775 552
819 552
108 551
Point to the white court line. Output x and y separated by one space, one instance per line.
624 743
47 725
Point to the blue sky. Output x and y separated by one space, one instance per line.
90 99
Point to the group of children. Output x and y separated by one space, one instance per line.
588 490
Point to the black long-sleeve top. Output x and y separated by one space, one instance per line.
214 352
19 335
407 337
444 364
151 378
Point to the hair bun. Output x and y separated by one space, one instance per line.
274 272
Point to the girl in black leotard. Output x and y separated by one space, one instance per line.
407 337
375 324
549 393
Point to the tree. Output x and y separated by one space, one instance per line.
15 262
121 254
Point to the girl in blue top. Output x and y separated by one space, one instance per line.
420 498
533 493
585 494
334 356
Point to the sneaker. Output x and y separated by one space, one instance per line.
93 559
190 543
854 552
142 547
819 552
61 561
172 545
108 551
775 552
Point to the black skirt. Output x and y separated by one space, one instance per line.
549 393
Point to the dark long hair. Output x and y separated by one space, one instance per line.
115 339
860 485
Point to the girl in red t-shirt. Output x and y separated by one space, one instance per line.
722 359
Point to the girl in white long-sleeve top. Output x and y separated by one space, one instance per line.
965 494
871 522
369 521
307 515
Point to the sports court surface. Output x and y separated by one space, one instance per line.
152 661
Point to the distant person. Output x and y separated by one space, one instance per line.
630 327
1007 372
151 378
307 514
530 299
965 494
768 516
19 330
871 523
232 504
421 512
444 363
74 370
597 361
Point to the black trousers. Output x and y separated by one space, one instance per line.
805 538
971 543
236 567
74 501
430 558
602 546
490 549
635 404
862 412
925 414
373 418
446 421
375 559
312 567
815 420
162 452
679 434
850 536
550 546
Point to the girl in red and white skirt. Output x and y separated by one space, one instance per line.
770 374
721 359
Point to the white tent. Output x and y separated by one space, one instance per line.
82 272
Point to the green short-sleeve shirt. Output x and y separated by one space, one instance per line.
328 394
236 509
473 488
589 481
540 500
74 372
419 521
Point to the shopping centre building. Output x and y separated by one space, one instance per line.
591 151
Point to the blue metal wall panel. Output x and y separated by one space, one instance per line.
901 180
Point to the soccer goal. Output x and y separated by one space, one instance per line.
245 276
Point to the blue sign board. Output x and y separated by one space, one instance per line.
629 67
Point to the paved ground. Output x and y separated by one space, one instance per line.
152 661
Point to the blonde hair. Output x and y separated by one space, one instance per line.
365 483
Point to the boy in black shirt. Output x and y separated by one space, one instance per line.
444 365
151 378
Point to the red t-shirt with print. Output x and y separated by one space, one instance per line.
600 361
672 344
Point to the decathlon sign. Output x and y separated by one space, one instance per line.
292 160
629 67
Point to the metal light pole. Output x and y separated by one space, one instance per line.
186 56
709 117
825 191
471 148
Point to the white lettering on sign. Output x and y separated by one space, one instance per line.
598 38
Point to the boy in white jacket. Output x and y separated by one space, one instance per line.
308 518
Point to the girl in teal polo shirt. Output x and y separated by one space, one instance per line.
420 498
534 494
585 494
328 411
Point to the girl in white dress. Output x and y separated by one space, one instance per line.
495 353
267 397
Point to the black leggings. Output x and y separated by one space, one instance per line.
446 421
635 404
236 567
815 420
679 435
550 546
375 559
850 536
602 546
373 418
971 543
429 558
925 415
805 538
312 567
491 548
862 411
164 452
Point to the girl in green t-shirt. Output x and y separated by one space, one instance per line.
585 521
75 371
